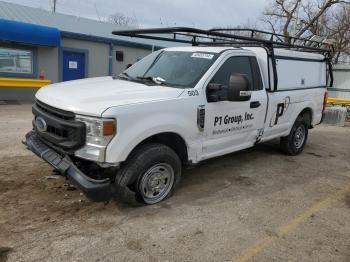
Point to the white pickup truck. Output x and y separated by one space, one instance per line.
129 136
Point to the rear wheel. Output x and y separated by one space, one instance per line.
294 143
149 175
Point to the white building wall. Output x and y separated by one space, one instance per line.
341 86
98 54
131 55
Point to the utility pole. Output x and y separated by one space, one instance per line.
54 6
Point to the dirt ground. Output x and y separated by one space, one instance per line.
257 205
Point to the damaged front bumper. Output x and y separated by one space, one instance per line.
95 190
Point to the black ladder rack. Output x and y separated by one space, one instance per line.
235 38
221 36
277 39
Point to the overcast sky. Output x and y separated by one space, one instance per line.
195 13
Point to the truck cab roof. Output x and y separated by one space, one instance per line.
249 50
210 49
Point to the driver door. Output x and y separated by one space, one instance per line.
235 125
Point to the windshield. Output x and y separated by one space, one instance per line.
171 68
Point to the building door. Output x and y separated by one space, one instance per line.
73 65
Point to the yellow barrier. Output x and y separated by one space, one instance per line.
339 101
23 82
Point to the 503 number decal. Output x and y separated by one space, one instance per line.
193 93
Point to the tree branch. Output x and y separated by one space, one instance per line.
327 4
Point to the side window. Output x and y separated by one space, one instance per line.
234 65
16 62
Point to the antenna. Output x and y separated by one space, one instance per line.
54 5
98 15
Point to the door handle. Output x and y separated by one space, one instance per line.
254 104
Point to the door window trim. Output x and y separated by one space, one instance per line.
253 68
224 61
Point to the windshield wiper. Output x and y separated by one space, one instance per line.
158 80
125 76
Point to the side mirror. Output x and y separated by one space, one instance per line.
238 88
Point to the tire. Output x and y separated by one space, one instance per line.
294 143
150 174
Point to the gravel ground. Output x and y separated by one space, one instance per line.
257 205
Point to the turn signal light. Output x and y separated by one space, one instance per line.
108 128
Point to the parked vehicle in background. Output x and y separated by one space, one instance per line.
130 136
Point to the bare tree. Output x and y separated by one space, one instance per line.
123 20
335 25
281 14
296 17
308 18
315 16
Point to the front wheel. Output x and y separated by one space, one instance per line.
294 143
149 175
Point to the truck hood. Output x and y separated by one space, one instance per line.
94 95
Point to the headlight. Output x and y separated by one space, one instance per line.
99 132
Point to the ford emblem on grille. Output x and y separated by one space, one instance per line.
40 124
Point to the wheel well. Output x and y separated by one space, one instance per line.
307 115
172 140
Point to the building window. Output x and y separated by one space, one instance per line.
16 62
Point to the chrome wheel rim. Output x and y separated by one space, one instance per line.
299 137
156 183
